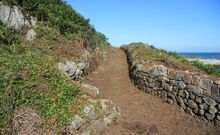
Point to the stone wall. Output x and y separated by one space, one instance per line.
193 93
76 71
85 65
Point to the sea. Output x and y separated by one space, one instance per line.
204 56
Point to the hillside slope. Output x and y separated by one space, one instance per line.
47 50
34 38
191 86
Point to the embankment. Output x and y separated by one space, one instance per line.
193 92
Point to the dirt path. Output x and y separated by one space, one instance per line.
141 113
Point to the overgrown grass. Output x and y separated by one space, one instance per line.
145 52
28 74
28 77
8 36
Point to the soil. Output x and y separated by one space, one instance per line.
141 113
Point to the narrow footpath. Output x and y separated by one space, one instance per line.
141 113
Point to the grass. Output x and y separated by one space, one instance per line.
28 77
145 53
211 69
8 35
142 53
28 74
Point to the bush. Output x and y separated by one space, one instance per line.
208 68
8 36
60 15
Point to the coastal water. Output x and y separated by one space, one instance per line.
204 56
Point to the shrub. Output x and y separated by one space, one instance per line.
60 15
208 68
8 36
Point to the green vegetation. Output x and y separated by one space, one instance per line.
29 78
8 36
175 55
60 15
145 52
28 74
208 68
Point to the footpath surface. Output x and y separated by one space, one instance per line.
141 113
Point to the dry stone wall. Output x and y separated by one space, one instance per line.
193 93
76 71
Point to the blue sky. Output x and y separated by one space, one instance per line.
175 25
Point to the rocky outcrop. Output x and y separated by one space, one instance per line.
73 70
197 95
88 63
13 17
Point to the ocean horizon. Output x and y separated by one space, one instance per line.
204 55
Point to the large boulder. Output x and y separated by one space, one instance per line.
71 68
13 17
81 66
205 84
155 70
158 70
182 76
215 92
62 67
141 68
